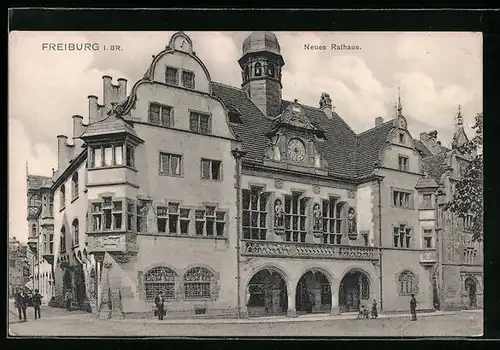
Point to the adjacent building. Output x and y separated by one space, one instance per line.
231 200
19 266
462 258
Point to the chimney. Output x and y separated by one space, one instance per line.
93 109
433 134
122 90
423 136
62 152
325 104
379 121
77 132
107 90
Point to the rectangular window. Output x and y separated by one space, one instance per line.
184 221
97 159
160 114
401 137
97 217
220 223
141 209
427 238
172 76
130 156
117 215
427 201
403 163
108 156
295 218
210 221
200 123
51 206
332 221
170 164
402 237
402 199
188 79
51 243
255 214
200 222
161 219
119 155
210 169
173 218
130 215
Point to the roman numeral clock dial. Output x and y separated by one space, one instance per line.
296 150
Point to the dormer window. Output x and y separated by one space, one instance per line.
258 69
234 115
172 76
401 137
188 79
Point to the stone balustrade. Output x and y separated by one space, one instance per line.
307 250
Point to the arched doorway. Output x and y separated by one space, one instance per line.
471 288
267 294
354 291
313 294
80 284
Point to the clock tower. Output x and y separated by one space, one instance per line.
261 66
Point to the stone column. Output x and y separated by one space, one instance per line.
335 303
292 311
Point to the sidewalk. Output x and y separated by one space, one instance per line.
281 319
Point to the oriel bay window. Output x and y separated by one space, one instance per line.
255 203
332 221
295 218
111 155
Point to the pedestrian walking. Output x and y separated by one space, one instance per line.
374 309
69 298
160 304
37 302
413 307
21 303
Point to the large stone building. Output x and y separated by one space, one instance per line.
462 258
19 266
231 200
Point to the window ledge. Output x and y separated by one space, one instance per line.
211 180
170 175
405 208
105 232
112 167
182 236
62 208
426 208
75 246
74 199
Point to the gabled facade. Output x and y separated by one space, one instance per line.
233 201
462 259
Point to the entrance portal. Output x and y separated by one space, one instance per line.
268 294
80 284
470 287
314 294
354 291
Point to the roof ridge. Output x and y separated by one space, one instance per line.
226 85
375 127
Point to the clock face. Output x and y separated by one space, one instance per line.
296 150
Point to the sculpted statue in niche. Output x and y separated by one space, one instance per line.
278 213
317 217
351 221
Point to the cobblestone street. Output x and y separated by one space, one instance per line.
450 325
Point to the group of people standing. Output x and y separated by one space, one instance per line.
23 300
363 312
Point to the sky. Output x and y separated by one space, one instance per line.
435 71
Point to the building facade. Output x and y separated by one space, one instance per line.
462 258
19 266
231 200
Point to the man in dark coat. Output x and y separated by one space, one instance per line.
21 304
413 307
37 302
160 304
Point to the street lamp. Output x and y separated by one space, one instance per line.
238 154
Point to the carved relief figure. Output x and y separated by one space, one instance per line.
351 221
317 217
278 213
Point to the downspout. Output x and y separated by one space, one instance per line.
237 154
380 242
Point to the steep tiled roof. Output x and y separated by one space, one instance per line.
435 165
108 125
369 144
426 182
422 149
337 148
35 182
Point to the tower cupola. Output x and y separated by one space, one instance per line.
261 65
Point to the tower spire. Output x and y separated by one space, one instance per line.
460 119
400 107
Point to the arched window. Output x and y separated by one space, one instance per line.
197 283
270 70
62 241
33 230
75 233
159 279
406 282
74 185
63 196
258 69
